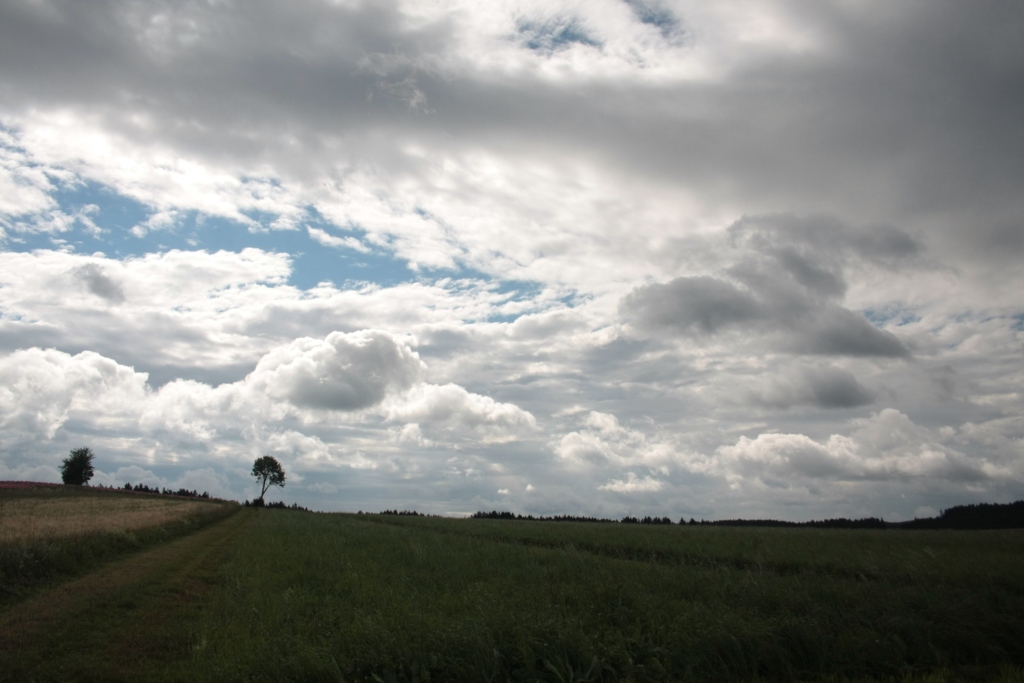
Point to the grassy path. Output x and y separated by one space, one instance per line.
116 623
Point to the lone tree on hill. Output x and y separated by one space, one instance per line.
268 472
76 469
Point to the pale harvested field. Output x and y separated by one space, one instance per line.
39 518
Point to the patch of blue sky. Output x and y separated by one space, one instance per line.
312 262
891 315
653 14
1018 322
340 265
116 215
517 292
554 35
519 289
504 317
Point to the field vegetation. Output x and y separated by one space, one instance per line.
287 595
52 515
306 597
55 532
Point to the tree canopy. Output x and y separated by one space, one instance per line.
76 469
268 472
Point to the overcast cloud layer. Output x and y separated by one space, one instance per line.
650 256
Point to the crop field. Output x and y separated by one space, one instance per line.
53 532
53 514
366 598
281 595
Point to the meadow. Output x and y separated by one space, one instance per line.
335 597
52 533
218 592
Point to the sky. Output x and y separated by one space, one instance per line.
604 257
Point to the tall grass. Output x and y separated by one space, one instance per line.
54 533
892 555
341 597
50 516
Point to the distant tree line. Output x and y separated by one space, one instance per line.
976 516
142 488
279 505
494 514
838 523
647 520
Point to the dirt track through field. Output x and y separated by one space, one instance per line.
119 622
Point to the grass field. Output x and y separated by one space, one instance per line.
340 597
277 595
129 620
53 533
55 514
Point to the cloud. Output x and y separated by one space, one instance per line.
25 188
839 332
341 372
701 305
604 443
294 404
205 480
132 474
819 386
884 447
799 240
97 282
621 235
656 15
632 484
792 272
41 389
452 407
328 240
30 472
555 34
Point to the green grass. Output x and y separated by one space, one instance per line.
128 621
860 554
28 565
307 597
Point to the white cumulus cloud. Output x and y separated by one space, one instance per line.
632 484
